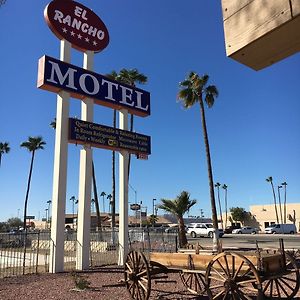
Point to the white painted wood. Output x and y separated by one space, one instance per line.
123 194
85 181
60 173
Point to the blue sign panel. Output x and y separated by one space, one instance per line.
55 75
100 136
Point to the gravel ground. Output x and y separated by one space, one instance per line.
62 287
104 285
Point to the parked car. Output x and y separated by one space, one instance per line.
202 229
229 229
281 228
245 229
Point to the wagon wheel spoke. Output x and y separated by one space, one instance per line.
283 285
234 280
238 269
194 282
218 295
216 271
137 276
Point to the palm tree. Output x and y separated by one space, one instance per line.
2 2
284 184
109 197
131 77
113 75
225 200
32 145
279 202
102 195
4 148
217 185
270 179
73 199
178 207
195 89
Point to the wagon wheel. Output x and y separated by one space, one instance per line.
137 276
283 285
194 282
232 276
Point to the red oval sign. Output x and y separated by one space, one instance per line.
77 24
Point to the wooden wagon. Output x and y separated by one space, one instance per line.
227 275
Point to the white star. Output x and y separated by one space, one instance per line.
95 43
72 33
79 36
65 30
87 39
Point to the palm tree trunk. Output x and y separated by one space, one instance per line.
181 233
220 207
129 157
0 158
275 204
27 192
209 167
284 205
96 199
226 215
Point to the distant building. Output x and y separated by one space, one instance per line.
265 214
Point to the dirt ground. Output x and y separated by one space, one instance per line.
105 284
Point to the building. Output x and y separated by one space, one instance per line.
265 215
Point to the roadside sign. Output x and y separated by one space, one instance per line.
101 136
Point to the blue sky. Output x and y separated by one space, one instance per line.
254 126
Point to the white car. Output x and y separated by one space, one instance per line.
245 229
202 229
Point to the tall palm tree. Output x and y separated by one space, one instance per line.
102 195
109 197
4 149
270 180
279 202
178 207
131 77
217 185
113 75
73 199
284 184
2 2
32 145
194 89
224 186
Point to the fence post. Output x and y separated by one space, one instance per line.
37 253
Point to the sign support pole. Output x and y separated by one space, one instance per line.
85 182
60 173
123 193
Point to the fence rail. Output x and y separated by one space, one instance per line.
29 253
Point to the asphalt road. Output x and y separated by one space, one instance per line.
265 241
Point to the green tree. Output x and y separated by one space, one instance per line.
178 207
194 89
4 149
224 186
14 223
270 180
131 77
32 145
239 214
152 219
